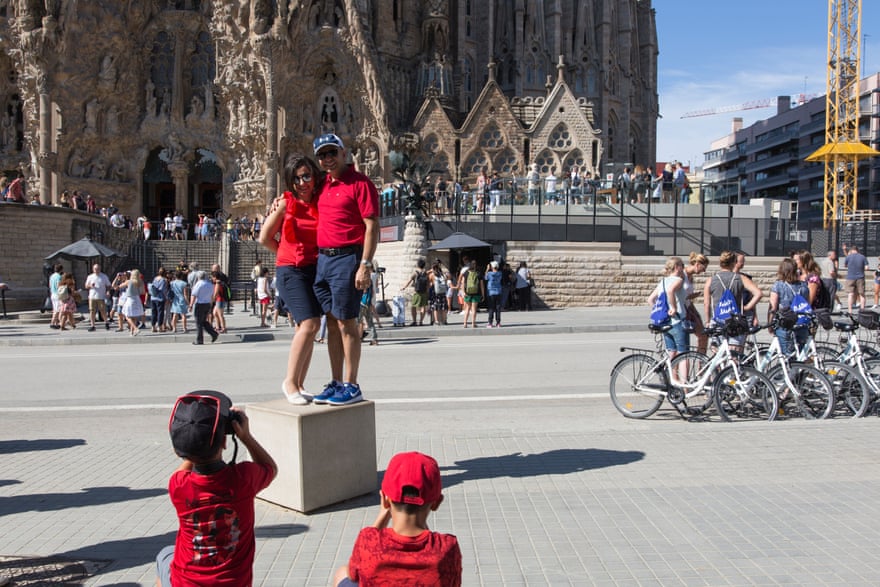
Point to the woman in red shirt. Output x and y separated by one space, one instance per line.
291 232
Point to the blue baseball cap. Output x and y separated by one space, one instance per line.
327 140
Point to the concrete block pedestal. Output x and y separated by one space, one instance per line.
325 454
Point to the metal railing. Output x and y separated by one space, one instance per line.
710 220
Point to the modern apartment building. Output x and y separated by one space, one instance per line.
768 158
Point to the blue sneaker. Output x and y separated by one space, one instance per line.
329 391
349 393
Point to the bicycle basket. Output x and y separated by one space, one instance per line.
736 326
869 319
823 317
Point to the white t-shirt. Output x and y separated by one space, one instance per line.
262 288
550 183
97 285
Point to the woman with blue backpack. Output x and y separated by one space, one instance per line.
669 307
788 306
730 292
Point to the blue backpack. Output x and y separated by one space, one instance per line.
660 311
801 306
726 306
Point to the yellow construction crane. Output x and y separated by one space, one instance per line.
842 149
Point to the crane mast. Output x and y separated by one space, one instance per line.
842 149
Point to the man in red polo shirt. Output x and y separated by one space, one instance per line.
348 231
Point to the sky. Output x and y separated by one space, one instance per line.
719 53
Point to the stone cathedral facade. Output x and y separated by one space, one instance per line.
193 105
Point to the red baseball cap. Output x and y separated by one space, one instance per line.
416 470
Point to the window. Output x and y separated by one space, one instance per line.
560 138
491 138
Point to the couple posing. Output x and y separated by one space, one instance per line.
323 265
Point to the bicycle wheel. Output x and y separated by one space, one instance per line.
690 364
751 396
827 353
815 399
851 392
638 385
872 374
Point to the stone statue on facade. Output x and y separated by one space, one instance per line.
151 99
7 132
107 74
111 121
92 107
76 164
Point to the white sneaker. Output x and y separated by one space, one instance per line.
295 398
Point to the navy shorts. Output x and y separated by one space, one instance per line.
294 285
334 285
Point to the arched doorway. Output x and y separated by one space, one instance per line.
205 185
158 188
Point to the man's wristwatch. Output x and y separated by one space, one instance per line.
367 264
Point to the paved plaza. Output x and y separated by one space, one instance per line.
545 483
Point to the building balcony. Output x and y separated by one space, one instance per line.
771 142
770 182
770 162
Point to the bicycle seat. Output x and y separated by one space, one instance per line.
846 326
657 328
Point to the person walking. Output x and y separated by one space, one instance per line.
856 264
200 306
97 284
158 291
493 294
133 309
523 287
474 289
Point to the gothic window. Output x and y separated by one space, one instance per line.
491 137
162 66
560 138
202 62
467 7
505 162
475 163
574 159
430 144
530 71
591 81
467 28
610 142
545 161
468 75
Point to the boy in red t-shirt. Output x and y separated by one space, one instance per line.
407 553
214 500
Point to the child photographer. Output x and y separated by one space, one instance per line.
214 500
407 553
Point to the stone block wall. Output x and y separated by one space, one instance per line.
29 233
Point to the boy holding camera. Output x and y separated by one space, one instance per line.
214 500
407 553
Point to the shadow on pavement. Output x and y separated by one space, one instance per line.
48 502
11 446
554 462
134 552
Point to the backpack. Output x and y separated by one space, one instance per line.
421 282
472 283
439 285
801 306
660 311
726 306
63 292
826 293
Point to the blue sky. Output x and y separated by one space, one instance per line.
718 53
